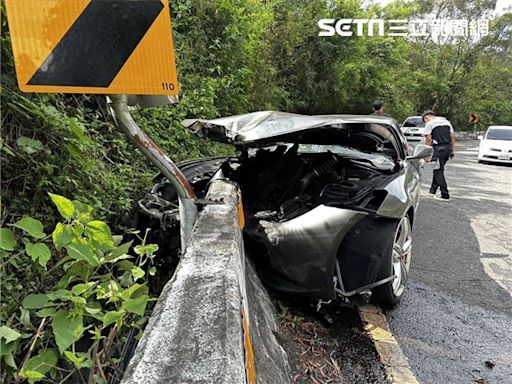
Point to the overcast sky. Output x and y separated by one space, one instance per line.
501 5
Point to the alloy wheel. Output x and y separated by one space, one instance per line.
401 255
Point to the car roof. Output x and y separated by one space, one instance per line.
500 127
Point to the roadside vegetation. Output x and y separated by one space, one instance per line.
72 293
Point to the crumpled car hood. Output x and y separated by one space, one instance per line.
271 125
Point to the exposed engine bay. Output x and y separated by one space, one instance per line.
280 183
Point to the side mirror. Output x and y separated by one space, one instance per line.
480 137
421 151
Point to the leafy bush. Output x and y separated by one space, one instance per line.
99 294
69 144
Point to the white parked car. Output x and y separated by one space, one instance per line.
413 128
496 145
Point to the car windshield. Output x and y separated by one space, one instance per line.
414 122
499 134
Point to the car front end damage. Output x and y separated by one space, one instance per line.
318 199
298 256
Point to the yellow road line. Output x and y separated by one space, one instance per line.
393 359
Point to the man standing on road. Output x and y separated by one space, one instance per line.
378 108
439 134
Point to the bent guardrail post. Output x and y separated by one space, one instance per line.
187 198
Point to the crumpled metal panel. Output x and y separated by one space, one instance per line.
403 193
303 249
262 125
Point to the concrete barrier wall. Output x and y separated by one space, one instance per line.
196 332
271 361
467 135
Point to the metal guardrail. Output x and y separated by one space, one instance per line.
467 135
201 328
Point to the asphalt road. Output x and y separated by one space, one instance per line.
455 321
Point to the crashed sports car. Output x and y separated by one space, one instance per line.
329 201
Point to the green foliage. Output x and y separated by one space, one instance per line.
69 144
7 239
9 335
38 252
65 206
29 146
31 226
38 366
233 56
67 329
101 291
288 317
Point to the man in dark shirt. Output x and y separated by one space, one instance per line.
439 134
378 108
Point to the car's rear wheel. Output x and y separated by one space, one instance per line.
397 262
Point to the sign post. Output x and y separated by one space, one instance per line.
186 195
115 47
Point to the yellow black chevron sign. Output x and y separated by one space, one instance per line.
474 118
93 46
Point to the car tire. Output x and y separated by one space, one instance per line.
396 261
